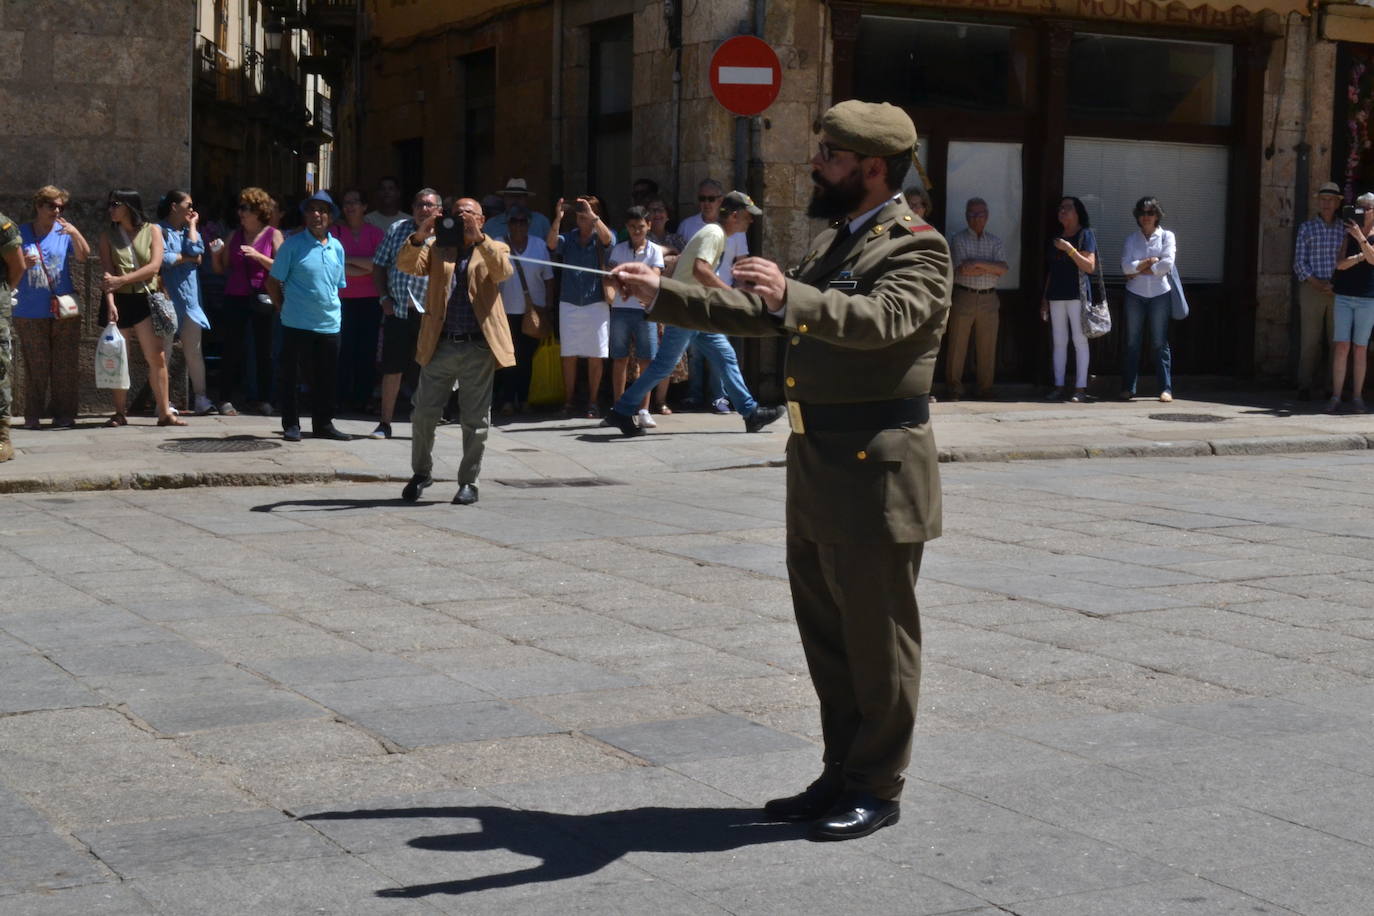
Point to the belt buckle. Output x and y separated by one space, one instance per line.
794 416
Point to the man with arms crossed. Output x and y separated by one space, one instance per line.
863 313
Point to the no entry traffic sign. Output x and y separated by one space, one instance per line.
745 75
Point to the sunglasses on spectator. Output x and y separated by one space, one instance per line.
243 207
707 198
115 203
53 205
321 208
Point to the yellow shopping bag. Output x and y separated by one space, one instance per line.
546 375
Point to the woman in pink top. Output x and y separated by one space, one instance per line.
246 258
362 313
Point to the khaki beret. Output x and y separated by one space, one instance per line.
869 128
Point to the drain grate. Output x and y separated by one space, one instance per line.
1189 417
203 444
547 482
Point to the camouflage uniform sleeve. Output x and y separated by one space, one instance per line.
9 234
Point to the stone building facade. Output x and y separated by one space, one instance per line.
97 96
575 95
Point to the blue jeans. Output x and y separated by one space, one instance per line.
718 353
1138 308
698 378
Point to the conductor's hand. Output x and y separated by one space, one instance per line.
638 280
763 278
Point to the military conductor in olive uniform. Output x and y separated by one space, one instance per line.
863 315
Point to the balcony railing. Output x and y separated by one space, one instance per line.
332 15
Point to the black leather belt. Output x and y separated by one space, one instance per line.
462 338
864 415
970 289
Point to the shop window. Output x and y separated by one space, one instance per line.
1190 180
919 63
1146 79
478 92
991 171
610 114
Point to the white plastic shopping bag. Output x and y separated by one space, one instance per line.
111 359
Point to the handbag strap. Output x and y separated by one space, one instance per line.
52 284
524 285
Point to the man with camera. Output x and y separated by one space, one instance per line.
464 337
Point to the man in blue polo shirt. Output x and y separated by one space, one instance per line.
304 284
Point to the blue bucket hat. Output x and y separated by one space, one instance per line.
324 196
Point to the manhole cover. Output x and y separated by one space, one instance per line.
544 482
1189 417
201 445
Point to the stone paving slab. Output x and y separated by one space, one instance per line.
1128 707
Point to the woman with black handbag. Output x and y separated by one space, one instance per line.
131 252
1072 252
245 260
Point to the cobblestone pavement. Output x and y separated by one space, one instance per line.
1149 689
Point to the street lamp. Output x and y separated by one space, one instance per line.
271 38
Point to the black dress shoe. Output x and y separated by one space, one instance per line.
466 495
812 802
332 432
626 425
415 487
761 417
854 815
291 434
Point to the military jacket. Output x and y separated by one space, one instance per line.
9 239
863 320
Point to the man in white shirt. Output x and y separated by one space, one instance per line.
979 261
529 285
388 212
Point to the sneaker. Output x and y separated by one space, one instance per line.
625 424
1166 397
646 419
721 405
291 434
593 412
761 417
1127 395
203 406
1079 396
383 431
1357 406
1056 394
1333 405
227 410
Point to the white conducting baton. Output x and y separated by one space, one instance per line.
589 270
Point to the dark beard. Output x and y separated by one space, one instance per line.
832 201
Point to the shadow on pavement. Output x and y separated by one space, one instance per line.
336 505
572 845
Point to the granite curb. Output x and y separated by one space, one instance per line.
1254 445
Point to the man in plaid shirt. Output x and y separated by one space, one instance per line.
403 300
1320 240
979 261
